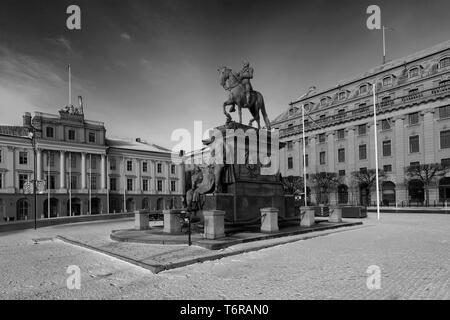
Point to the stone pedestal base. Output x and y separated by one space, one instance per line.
308 218
269 219
141 220
172 222
335 215
214 226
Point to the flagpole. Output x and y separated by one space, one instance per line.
384 45
90 183
70 184
124 187
48 187
107 185
376 149
70 88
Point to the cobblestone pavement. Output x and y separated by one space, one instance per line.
411 250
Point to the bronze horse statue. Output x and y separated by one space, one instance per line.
230 82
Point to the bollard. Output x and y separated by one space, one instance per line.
308 218
336 215
269 219
172 223
141 220
214 225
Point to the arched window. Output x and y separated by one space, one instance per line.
387 81
22 209
2 211
444 63
414 72
342 95
342 194
145 204
388 193
323 101
363 89
416 191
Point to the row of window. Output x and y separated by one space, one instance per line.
145 185
414 147
71 134
387 81
413 119
113 166
51 182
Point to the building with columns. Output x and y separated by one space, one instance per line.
84 172
413 127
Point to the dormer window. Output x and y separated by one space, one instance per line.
444 63
387 81
323 101
342 95
363 89
414 72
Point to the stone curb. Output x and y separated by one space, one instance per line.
157 268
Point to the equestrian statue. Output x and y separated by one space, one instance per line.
242 95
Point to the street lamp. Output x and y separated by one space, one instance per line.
311 89
32 137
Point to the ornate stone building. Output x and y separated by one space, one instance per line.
84 172
413 126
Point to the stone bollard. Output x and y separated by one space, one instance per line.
214 224
335 215
141 220
269 219
172 222
308 218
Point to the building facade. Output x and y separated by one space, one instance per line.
413 127
84 172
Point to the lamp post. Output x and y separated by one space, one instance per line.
377 184
32 137
311 89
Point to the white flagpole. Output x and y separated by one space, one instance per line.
124 187
384 45
48 187
70 88
107 185
376 149
304 156
70 184
90 183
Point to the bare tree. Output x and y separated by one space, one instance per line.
365 179
425 173
292 184
324 183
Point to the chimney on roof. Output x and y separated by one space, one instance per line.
27 119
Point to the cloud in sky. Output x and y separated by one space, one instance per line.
125 36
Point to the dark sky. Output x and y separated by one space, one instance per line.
146 68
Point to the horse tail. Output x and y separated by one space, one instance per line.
264 113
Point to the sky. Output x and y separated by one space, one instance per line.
148 67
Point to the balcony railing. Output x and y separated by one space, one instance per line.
383 106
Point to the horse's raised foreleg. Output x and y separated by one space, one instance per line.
225 104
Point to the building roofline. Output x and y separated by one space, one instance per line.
443 46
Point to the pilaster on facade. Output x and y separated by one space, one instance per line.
83 171
351 149
312 161
62 172
429 142
331 152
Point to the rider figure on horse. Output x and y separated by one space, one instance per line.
244 77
